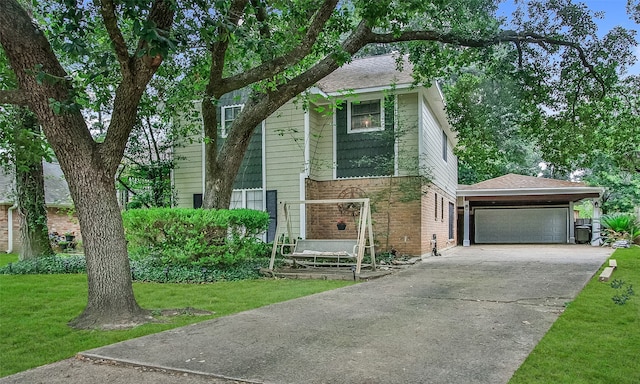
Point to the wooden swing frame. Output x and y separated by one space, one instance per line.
364 231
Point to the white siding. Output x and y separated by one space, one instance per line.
321 148
187 177
444 173
406 125
284 154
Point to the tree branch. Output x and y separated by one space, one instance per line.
258 107
219 48
108 12
533 37
14 96
502 37
135 78
279 64
128 188
261 16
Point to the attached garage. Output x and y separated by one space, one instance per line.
516 209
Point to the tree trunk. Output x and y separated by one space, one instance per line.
33 213
111 303
30 193
218 184
89 167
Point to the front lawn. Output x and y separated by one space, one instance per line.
595 340
6 258
35 309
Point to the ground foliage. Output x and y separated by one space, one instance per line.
144 270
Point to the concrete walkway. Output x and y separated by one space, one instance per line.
469 316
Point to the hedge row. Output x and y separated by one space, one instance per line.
195 237
179 245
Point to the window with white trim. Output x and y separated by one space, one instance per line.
247 198
365 116
229 114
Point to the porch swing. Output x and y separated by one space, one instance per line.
326 252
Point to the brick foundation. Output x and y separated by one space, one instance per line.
401 215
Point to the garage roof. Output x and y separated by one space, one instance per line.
518 187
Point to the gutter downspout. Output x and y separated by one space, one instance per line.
10 227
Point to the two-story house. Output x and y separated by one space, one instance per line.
363 131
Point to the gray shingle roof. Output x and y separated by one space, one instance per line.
56 190
513 181
368 72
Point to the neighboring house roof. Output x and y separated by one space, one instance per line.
368 72
56 190
519 185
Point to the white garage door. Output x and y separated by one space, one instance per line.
521 225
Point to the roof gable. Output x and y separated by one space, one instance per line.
368 72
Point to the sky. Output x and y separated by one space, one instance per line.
615 14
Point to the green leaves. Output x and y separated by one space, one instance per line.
21 140
194 236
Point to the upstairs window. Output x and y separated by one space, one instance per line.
444 146
365 116
229 114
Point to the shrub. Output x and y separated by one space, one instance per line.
198 237
620 226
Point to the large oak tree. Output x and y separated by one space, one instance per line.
276 49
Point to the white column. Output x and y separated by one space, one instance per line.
466 242
595 224
572 224
307 138
303 209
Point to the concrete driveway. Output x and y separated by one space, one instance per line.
469 316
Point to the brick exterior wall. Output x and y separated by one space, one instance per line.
436 219
402 217
4 233
58 220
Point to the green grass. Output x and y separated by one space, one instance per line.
6 258
35 309
594 340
